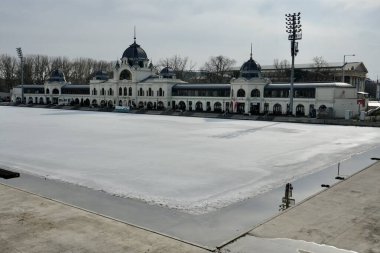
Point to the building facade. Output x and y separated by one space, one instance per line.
137 84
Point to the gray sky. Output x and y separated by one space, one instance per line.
103 29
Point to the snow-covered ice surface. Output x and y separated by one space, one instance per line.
250 244
193 164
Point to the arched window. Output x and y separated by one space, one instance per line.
277 109
160 92
255 93
110 92
141 92
240 93
120 91
130 91
94 92
102 92
47 91
150 92
300 110
125 75
55 91
125 91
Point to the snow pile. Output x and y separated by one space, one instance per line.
193 164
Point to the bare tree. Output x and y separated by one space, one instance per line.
180 65
321 73
219 69
8 68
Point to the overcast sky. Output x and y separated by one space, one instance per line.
103 29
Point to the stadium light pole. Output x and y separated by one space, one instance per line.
344 63
20 55
293 28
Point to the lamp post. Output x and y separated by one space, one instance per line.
293 28
344 63
20 55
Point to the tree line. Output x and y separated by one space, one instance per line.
218 69
37 69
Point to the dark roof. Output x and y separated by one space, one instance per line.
308 85
199 86
57 76
250 65
75 86
134 51
167 72
101 75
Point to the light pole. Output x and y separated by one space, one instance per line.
20 55
293 27
344 63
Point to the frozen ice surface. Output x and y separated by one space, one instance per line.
192 164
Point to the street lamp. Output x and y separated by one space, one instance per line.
293 27
344 63
20 55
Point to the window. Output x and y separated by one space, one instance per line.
125 75
240 93
255 93
120 91
130 91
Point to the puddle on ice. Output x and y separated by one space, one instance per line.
264 245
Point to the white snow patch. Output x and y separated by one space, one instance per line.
193 164
249 244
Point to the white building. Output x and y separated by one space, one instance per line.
135 83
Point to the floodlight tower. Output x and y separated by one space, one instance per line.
293 27
20 55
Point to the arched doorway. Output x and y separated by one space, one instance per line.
141 105
86 102
94 103
300 110
55 91
149 105
199 106
182 106
217 107
277 109
41 101
160 105
322 108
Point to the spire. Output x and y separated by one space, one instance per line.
251 50
134 34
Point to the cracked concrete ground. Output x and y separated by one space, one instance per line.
29 223
346 216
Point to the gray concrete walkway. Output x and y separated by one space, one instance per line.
346 216
29 223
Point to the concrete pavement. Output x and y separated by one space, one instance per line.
29 223
346 216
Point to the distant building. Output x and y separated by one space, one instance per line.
136 83
354 73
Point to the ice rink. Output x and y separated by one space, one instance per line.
192 164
